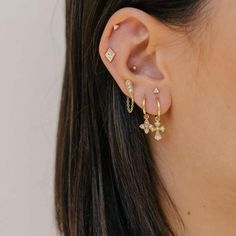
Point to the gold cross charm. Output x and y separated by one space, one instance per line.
146 126
158 128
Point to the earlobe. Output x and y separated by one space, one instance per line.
127 50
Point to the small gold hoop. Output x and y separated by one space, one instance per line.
158 116
144 105
146 116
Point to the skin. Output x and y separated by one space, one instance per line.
195 73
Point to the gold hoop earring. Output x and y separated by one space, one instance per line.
130 89
158 127
146 126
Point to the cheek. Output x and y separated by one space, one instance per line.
203 80
220 42
221 59
218 63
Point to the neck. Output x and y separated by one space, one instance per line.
199 172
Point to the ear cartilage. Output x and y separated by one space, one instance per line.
115 27
110 54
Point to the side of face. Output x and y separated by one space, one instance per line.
194 72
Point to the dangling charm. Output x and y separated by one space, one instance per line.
130 89
157 127
146 126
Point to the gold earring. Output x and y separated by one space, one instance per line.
115 27
130 89
146 126
158 127
156 91
110 54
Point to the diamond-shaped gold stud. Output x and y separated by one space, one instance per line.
110 54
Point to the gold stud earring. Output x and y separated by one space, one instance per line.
130 89
134 68
146 126
158 127
115 27
110 54
156 91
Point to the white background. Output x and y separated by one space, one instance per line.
31 68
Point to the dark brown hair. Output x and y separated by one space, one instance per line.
106 182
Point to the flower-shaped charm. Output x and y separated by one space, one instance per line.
146 126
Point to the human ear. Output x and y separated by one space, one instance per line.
132 38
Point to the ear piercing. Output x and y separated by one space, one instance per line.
130 89
156 91
157 127
115 27
110 54
146 126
